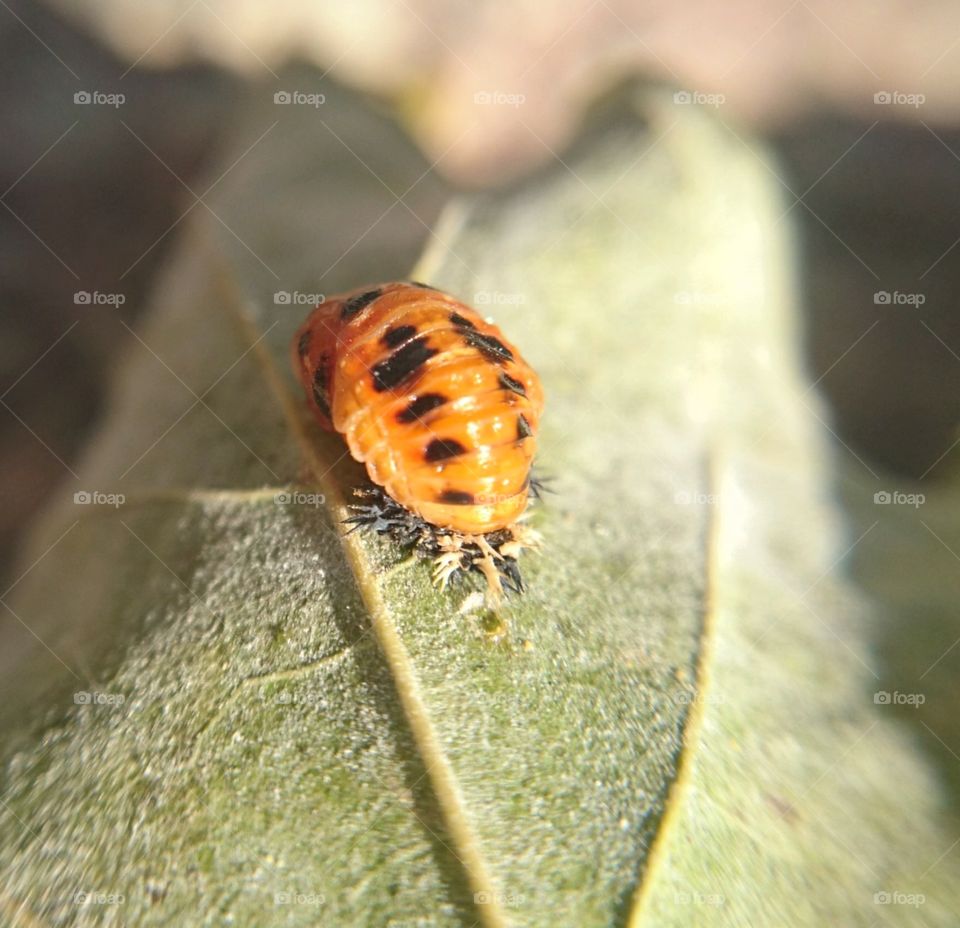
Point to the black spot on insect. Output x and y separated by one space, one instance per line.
398 335
490 347
456 498
303 343
403 365
514 386
442 449
523 428
320 388
420 407
352 306
417 283
461 322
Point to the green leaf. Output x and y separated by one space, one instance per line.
675 726
908 558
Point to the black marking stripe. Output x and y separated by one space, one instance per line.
303 343
320 389
398 335
508 383
352 306
456 498
523 428
461 322
420 407
417 283
489 346
442 449
402 365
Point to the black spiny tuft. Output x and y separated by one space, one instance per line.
383 515
539 484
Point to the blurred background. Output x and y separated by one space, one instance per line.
115 113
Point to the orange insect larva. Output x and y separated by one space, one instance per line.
436 403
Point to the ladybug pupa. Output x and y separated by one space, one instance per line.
443 412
